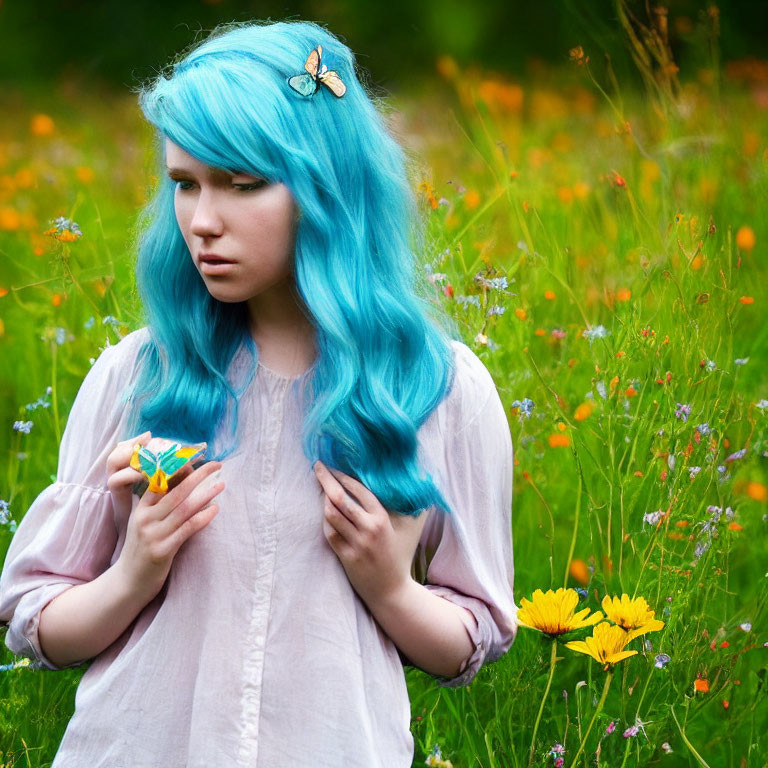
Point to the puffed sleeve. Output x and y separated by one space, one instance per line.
68 535
472 563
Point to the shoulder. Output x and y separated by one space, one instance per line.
472 386
124 351
116 363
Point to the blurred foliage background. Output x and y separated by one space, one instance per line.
115 42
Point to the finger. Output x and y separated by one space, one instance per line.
338 494
123 478
199 499
354 488
176 496
121 454
340 522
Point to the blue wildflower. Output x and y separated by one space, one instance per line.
704 428
465 300
661 660
683 411
701 548
596 332
526 405
23 426
89 322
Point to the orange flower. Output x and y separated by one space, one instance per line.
84 174
747 300
757 491
41 125
521 313
579 571
549 295
702 685
56 299
471 198
577 56
623 294
9 219
735 527
559 440
630 391
745 238
540 332
582 412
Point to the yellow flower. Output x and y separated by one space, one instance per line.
606 644
552 612
635 616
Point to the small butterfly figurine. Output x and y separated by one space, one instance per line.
158 468
307 84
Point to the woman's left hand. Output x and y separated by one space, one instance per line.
375 548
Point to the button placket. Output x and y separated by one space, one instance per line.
266 540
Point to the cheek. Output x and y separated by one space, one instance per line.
183 216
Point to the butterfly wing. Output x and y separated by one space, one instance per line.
144 460
173 459
304 84
312 64
334 83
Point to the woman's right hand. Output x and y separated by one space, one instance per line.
161 523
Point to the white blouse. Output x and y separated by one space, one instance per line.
257 651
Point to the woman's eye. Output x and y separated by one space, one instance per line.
242 187
253 185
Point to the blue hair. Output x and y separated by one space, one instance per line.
384 355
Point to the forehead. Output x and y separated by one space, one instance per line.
180 161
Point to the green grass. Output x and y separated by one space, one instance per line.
592 225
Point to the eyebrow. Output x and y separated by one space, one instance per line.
212 172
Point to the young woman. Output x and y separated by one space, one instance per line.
355 515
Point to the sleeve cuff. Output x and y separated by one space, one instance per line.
23 637
480 634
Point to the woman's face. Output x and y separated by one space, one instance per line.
241 218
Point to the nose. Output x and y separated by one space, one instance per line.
206 221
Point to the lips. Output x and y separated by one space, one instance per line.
212 258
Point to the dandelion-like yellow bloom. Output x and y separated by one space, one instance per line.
635 616
552 612
606 644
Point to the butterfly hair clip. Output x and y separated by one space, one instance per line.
307 83
158 467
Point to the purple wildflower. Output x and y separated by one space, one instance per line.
683 411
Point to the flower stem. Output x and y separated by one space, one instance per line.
552 662
608 678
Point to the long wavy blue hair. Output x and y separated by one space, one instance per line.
384 356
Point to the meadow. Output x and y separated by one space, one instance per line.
602 251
